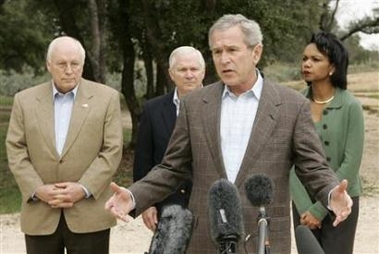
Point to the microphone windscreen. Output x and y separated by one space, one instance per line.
173 232
259 190
225 211
306 242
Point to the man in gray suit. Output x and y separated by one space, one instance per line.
64 144
239 126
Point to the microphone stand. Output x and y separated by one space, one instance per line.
263 246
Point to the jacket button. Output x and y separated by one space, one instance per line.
182 191
324 126
325 112
328 159
326 143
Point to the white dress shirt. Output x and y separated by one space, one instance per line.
237 118
176 101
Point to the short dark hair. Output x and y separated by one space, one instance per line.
329 45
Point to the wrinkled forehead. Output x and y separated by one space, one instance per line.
230 37
69 52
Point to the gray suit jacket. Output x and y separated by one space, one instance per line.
283 134
90 156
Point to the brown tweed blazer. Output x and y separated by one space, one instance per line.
283 134
90 156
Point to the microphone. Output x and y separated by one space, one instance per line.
306 242
173 232
259 191
225 215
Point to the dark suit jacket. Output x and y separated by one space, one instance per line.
283 133
156 125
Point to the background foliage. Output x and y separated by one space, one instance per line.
132 39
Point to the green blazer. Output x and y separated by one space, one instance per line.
90 156
341 131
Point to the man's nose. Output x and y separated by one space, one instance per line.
189 74
224 58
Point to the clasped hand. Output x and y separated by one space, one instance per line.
60 195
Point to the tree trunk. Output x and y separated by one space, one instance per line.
127 77
149 69
68 22
96 56
152 36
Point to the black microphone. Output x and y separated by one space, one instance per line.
173 232
306 242
225 214
259 190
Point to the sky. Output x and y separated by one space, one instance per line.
351 9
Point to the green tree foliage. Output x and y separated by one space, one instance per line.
23 36
76 18
135 37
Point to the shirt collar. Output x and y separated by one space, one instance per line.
55 91
176 99
256 88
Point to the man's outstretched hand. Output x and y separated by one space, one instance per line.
340 202
121 203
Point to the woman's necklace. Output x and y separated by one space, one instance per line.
324 102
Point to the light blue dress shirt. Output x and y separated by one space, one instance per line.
63 104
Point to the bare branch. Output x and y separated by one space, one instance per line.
366 25
333 15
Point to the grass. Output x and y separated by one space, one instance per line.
6 100
10 200
10 197
373 96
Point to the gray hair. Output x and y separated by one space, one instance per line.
57 40
185 50
249 28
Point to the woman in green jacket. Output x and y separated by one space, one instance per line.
338 117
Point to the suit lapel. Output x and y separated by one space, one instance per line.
211 120
45 117
80 112
169 113
264 124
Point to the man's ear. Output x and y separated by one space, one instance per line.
48 66
257 53
170 74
